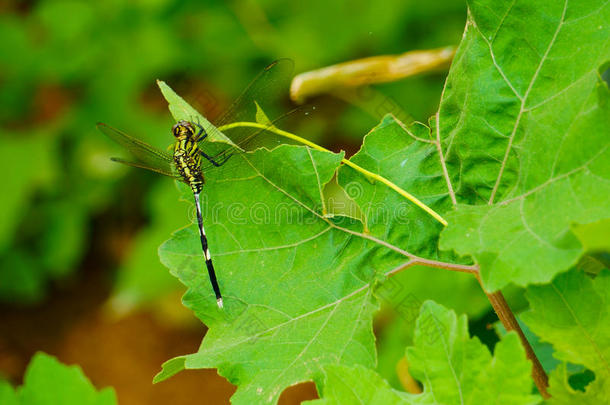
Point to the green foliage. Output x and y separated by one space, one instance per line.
544 351
453 368
58 59
48 382
300 294
18 277
7 395
523 125
390 151
357 384
458 369
139 280
524 120
284 239
181 110
403 295
573 314
279 297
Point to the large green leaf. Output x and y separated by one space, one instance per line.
407 157
48 382
452 367
289 296
524 122
297 277
271 226
573 314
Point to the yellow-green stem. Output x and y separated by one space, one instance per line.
351 164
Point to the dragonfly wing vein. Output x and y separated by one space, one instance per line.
265 90
141 165
145 156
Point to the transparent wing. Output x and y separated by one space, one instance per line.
145 156
147 167
255 139
266 90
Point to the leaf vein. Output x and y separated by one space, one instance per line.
582 327
523 101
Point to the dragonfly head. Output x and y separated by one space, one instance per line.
183 129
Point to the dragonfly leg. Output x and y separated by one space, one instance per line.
201 131
216 163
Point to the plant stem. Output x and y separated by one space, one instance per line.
420 261
349 163
506 316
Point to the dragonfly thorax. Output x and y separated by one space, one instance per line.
186 156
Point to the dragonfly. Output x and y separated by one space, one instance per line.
188 159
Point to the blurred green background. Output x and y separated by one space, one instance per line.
79 234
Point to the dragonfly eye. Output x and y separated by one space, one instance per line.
183 129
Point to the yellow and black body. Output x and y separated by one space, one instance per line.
184 160
187 160
187 155
184 165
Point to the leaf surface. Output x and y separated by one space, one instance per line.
524 122
288 296
573 314
452 367
298 278
48 382
181 110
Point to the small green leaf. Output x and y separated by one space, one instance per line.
8 396
357 385
48 382
455 368
595 237
181 110
452 367
261 117
170 368
573 314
